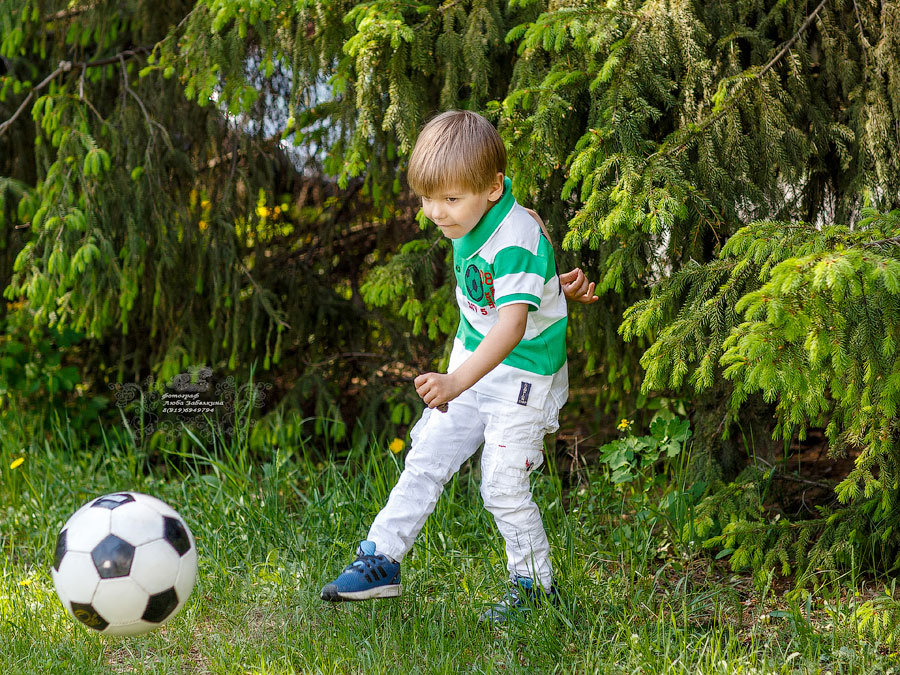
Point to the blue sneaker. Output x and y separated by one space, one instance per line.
522 596
369 576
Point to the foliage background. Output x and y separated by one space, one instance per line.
221 183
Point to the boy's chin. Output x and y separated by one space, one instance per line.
455 231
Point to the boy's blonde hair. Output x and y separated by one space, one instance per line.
458 149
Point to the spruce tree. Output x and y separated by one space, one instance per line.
143 157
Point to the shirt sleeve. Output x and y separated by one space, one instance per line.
520 275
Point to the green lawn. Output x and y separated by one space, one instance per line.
271 532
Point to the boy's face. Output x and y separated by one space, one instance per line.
457 211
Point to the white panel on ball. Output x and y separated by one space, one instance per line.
155 566
156 504
135 628
77 578
136 523
120 601
187 575
87 530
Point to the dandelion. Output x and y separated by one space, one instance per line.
624 424
396 445
16 463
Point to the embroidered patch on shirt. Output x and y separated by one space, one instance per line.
524 391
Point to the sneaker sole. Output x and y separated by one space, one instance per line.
389 591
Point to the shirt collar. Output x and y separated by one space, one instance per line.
470 243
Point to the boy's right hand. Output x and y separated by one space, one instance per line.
576 287
437 389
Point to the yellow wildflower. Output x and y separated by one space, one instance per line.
203 224
262 211
16 463
624 424
397 445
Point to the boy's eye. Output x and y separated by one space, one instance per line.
452 199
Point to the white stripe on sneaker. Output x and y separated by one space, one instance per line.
387 591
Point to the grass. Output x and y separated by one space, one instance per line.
275 523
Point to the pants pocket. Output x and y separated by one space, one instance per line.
551 421
507 468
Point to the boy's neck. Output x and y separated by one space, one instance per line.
490 206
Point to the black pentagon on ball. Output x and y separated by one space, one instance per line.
112 557
175 534
160 605
112 501
60 550
89 616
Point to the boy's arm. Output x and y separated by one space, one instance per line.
575 285
438 388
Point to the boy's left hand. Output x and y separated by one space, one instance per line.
576 287
435 389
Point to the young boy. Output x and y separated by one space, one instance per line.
507 377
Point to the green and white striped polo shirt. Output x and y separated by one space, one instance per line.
507 259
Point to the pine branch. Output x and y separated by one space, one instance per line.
703 126
65 67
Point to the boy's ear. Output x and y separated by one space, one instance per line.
496 187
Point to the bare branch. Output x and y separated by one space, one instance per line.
883 243
70 13
136 97
262 298
783 475
862 37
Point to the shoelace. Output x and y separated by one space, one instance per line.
368 567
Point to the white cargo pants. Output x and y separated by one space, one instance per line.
513 437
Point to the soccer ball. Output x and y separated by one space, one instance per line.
125 563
